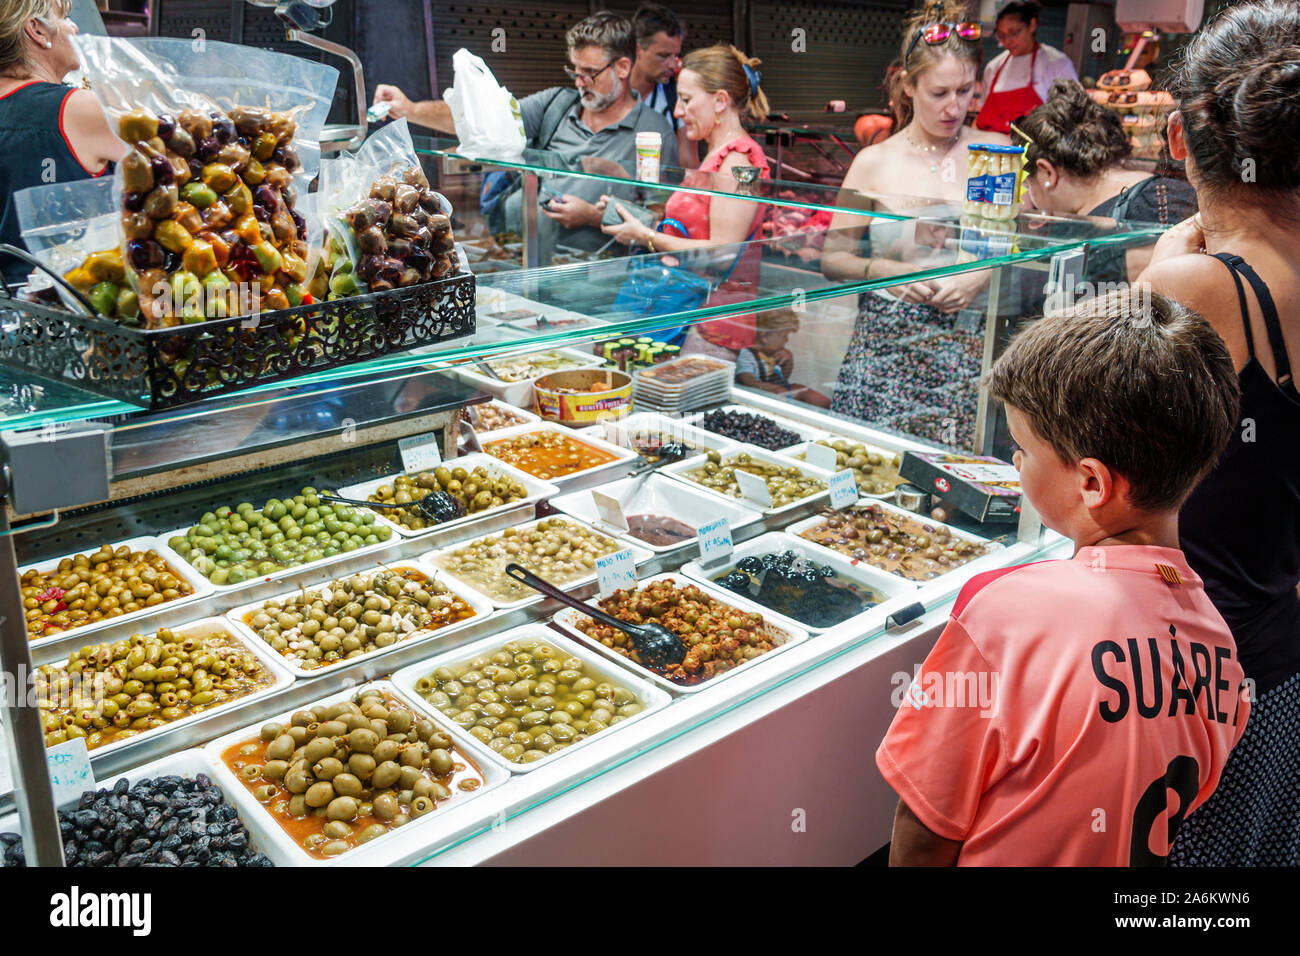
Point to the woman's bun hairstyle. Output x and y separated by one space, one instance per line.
1072 133
723 67
1238 88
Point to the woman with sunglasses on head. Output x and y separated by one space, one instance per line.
717 87
1018 79
1237 89
925 159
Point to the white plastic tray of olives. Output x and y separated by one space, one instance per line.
184 763
527 417
622 455
650 697
180 567
782 635
481 606
537 490
991 559
872 449
895 591
804 431
662 497
281 678
639 554
521 392
417 836
653 427
284 521
678 470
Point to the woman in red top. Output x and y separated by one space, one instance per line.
715 87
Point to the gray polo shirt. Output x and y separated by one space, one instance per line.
574 140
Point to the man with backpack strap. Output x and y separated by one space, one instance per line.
593 127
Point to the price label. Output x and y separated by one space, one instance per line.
609 510
820 456
843 491
420 453
70 773
616 571
753 489
715 541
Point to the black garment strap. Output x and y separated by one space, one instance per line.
1271 322
1231 261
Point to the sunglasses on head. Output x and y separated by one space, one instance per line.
936 33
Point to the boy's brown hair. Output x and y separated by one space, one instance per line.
1134 380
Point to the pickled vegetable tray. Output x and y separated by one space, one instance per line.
166 368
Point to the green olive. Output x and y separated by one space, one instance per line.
386 806
386 774
319 794
342 808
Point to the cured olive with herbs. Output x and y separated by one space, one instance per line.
562 699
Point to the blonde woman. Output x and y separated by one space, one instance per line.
45 127
717 87
926 159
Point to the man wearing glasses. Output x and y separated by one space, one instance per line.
659 38
593 125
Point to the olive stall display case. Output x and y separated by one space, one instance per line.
167 368
349 416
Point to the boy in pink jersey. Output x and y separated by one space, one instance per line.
1116 695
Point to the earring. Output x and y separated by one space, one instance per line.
49 45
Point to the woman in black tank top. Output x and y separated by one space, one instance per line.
49 133
1239 116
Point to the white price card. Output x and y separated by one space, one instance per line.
70 773
753 488
715 541
610 510
616 571
420 453
843 491
822 456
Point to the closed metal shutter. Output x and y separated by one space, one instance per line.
847 48
533 35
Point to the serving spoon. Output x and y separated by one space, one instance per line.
657 646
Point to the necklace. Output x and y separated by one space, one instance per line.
934 167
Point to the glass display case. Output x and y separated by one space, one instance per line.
805 604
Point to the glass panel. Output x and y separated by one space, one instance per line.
581 301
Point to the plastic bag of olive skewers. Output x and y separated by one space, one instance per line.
74 226
387 228
223 140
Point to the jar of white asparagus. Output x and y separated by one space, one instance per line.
994 180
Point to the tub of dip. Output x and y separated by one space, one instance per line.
583 396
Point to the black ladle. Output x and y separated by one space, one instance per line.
422 506
657 646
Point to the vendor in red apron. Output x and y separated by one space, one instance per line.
1017 80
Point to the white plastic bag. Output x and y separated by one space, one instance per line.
62 224
487 117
